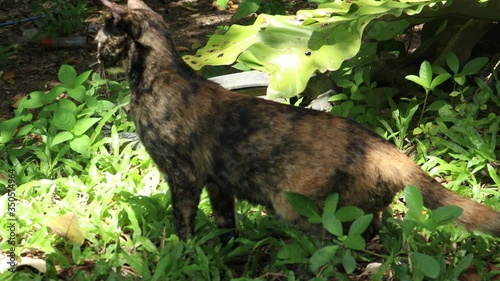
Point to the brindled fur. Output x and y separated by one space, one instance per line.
200 134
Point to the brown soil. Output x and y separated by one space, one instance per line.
33 68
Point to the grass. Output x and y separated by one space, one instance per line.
91 205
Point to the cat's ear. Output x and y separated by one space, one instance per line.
117 11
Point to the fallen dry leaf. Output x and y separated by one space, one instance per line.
9 77
67 227
181 49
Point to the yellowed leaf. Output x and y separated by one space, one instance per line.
189 7
9 77
67 227
17 99
196 45
182 49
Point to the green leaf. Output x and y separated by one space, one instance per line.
452 61
54 94
338 97
80 79
222 3
36 100
445 214
62 137
355 242
322 256
303 205
426 73
493 174
78 93
224 49
331 223
67 76
426 265
460 79
348 262
386 30
291 48
461 266
91 102
440 79
105 105
26 129
8 128
68 105
83 125
331 202
274 7
292 253
246 8
458 139
344 83
435 106
417 80
360 224
81 144
474 66
415 203
64 119
348 213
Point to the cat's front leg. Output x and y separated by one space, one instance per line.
222 201
185 200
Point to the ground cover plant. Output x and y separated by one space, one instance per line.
90 205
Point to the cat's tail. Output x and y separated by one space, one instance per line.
475 216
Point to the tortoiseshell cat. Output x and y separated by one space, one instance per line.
200 134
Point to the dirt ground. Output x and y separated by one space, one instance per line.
34 68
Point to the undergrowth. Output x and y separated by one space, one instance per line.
91 205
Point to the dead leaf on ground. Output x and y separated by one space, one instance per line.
17 99
67 227
471 273
9 77
182 49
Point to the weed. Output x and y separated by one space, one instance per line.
69 156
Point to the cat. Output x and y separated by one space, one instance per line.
202 135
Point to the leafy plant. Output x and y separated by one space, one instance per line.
62 17
6 52
248 7
69 155
292 48
67 126
322 261
427 82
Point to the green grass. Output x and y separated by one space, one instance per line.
69 156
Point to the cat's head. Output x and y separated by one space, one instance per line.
121 31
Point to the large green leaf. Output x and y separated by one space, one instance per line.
81 144
304 206
224 49
322 257
62 137
246 8
292 48
67 76
8 128
84 124
36 100
64 119
425 264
